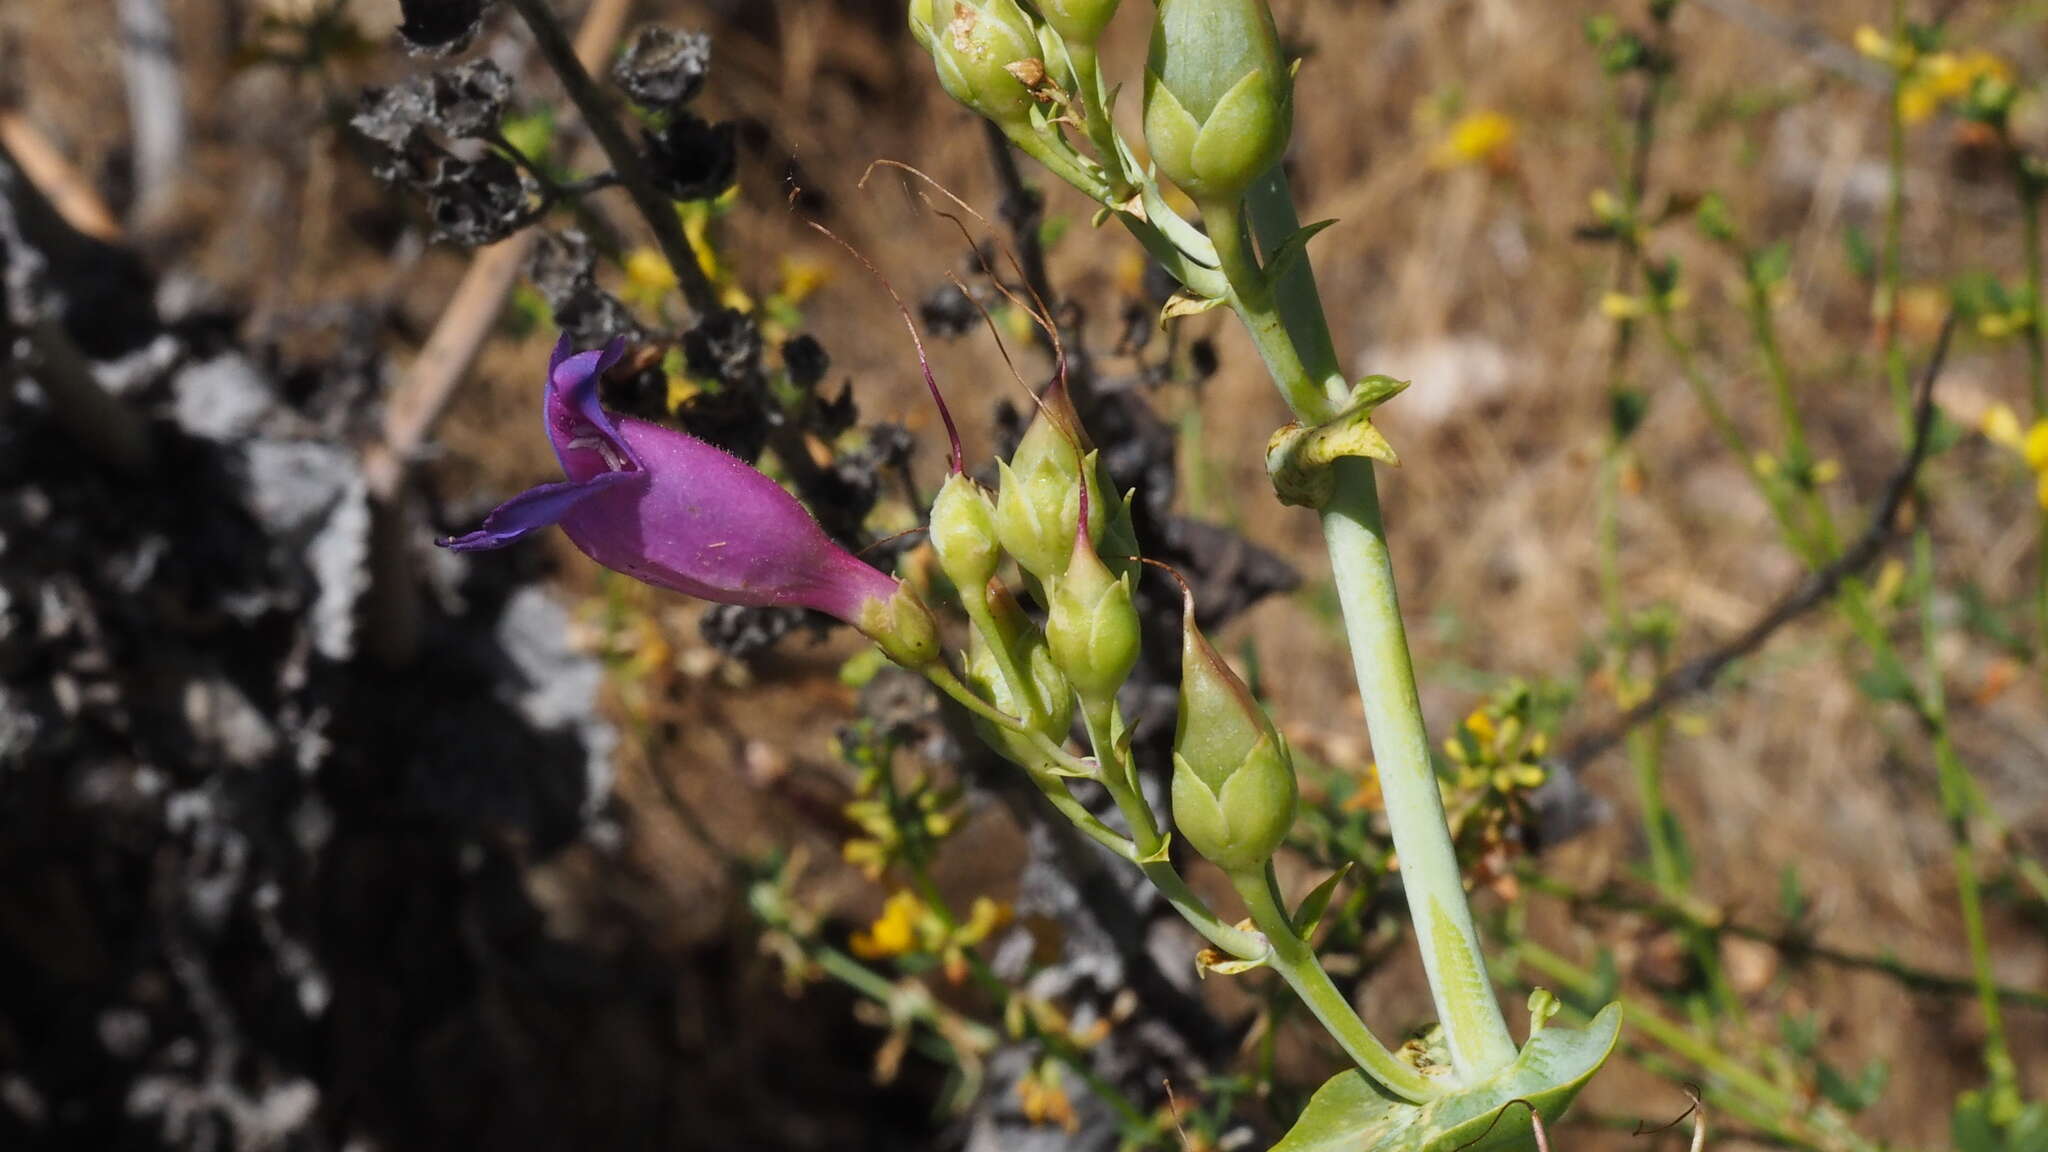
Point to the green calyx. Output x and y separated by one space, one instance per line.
1046 701
1240 824
1078 22
1233 777
1218 96
978 46
1091 627
963 534
902 627
1038 498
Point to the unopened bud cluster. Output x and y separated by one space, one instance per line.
1217 89
1071 544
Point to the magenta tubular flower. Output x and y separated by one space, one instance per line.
667 508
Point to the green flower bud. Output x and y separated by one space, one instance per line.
902 627
973 44
1218 96
1048 703
1091 627
1233 777
1078 21
964 534
1039 498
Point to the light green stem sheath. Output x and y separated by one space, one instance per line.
1359 564
1364 575
1296 962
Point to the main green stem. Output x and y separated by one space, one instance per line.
1293 337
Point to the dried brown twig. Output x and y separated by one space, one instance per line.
1700 673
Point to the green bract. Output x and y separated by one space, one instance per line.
1078 21
973 44
1351 1112
1218 98
1039 497
964 534
1091 627
1233 777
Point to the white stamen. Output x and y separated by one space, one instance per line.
603 447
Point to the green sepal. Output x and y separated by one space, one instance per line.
1241 823
1091 627
1350 1111
1292 250
1243 138
963 534
902 627
1310 915
1170 132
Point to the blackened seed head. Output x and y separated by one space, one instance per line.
690 159
469 100
805 361
478 202
948 312
563 270
439 27
391 116
662 68
725 346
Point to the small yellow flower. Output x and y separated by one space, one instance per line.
1827 471
1945 78
1621 306
1891 576
894 932
1482 137
2002 427
648 279
2035 447
1367 796
801 279
1043 1101
983 917
1874 44
1515 777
